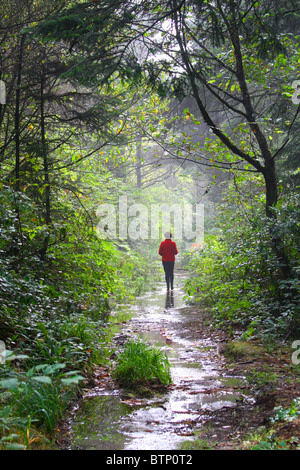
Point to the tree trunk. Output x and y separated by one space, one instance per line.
17 113
17 246
44 248
268 169
271 183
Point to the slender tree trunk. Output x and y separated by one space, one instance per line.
17 247
44 248
17 113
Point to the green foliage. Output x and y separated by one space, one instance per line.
141 365
54 311
41 394
287 414
281 415
271 444
237 273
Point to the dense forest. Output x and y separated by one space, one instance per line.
185 102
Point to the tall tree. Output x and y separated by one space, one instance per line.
49 123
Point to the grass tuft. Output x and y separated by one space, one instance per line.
142 365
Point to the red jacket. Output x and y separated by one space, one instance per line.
168 250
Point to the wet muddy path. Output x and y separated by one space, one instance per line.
110 419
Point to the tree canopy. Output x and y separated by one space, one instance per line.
228 56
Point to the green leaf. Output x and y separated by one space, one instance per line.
10 384
43 379
72 379
10 356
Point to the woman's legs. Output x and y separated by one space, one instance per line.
169 273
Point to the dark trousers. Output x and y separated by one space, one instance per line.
169 272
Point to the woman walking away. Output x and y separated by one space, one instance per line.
167 251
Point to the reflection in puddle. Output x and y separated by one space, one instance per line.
170 299
110 423
97 424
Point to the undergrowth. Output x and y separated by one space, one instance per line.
237 274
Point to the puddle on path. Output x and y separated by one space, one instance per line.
110 422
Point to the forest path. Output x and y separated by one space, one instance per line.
202 385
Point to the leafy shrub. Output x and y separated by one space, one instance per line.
42 393
238 275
